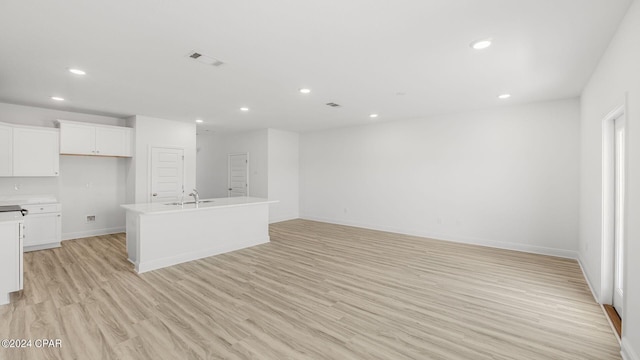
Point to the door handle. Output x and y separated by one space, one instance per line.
154 194
230 189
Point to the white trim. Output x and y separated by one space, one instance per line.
608 248
52 245
90 233
190 256
627 352
569 254
283 218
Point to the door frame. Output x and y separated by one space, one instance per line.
229 171
608 206
150 166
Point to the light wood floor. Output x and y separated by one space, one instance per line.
317 291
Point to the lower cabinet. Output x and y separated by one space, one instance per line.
10 258
42 227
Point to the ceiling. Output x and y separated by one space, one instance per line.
400 59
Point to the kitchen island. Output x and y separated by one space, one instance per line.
161 235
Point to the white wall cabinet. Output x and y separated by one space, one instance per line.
29 151
96 140
6 150
35 152
42 226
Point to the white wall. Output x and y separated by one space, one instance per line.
283 175
504 177
273 167
86 185
153 132
211 170
213 167
92 186
616 77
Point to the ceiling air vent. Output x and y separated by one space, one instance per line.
207 60
333 104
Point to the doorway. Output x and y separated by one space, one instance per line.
238 179
613 215
166 174
618 214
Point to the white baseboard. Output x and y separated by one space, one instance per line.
283 218
181 258
596 296
89 233
627 352
42 247
569 254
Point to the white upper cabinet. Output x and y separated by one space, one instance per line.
77 139
29 151
113 141
92 139
6 150
35 152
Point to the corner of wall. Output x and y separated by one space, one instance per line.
585 273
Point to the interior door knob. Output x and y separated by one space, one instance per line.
154 194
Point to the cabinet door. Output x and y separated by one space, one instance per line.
6 150
77 139
10 256
41 229
35 152
113 141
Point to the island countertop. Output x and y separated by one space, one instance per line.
158 208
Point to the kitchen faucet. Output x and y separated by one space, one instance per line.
195 195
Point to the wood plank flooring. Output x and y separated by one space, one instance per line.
317 291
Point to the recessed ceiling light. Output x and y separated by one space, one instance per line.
57 98
504 96
373 116
305 90
244 109
77 72
481 44
199 121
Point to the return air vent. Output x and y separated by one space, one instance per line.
333 104
207 60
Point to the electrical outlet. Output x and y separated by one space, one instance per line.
91 218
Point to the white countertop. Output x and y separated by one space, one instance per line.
10 216
27 199
157 208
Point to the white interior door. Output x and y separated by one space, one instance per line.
238 183
167 174
619 218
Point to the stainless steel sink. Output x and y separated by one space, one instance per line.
190 202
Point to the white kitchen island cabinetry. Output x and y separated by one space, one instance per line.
78 138
161 235
10 255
